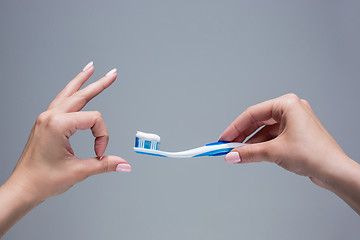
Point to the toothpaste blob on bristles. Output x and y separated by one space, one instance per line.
147 140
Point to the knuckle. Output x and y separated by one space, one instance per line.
246 155
42 118
47 119
53 121
257 153
103 86
50 121
55 126
249 111
305 102
105 166
97 114
106 136
292 99
266 152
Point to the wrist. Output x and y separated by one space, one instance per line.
22 190
20 193
15 203
341 170
343 179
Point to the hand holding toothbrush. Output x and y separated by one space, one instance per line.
48 166
294 138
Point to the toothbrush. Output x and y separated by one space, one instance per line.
148 143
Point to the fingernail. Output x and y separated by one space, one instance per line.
111 72
123 167
88 66
102 156
232 157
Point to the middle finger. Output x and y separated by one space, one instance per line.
79 99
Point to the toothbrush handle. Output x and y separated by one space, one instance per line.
211 149
223 148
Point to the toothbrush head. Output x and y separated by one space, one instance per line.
147 141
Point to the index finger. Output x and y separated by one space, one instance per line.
94 121
74 85
248 121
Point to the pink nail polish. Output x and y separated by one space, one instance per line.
111 72
88 66
232 157
123 167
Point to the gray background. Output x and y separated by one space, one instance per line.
186 70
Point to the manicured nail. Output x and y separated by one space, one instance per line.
123 167
232 157
111 72
88 66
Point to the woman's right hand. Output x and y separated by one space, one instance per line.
48 165
292 137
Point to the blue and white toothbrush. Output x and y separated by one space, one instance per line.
148 143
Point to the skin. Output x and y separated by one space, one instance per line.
294 138
48 166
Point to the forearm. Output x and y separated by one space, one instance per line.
15 203
344 181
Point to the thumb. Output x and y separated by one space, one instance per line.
94 166
256 152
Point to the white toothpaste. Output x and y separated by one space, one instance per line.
148 136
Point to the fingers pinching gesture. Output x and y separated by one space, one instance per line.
48 159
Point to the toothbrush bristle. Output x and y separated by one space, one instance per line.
147 141
143 143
